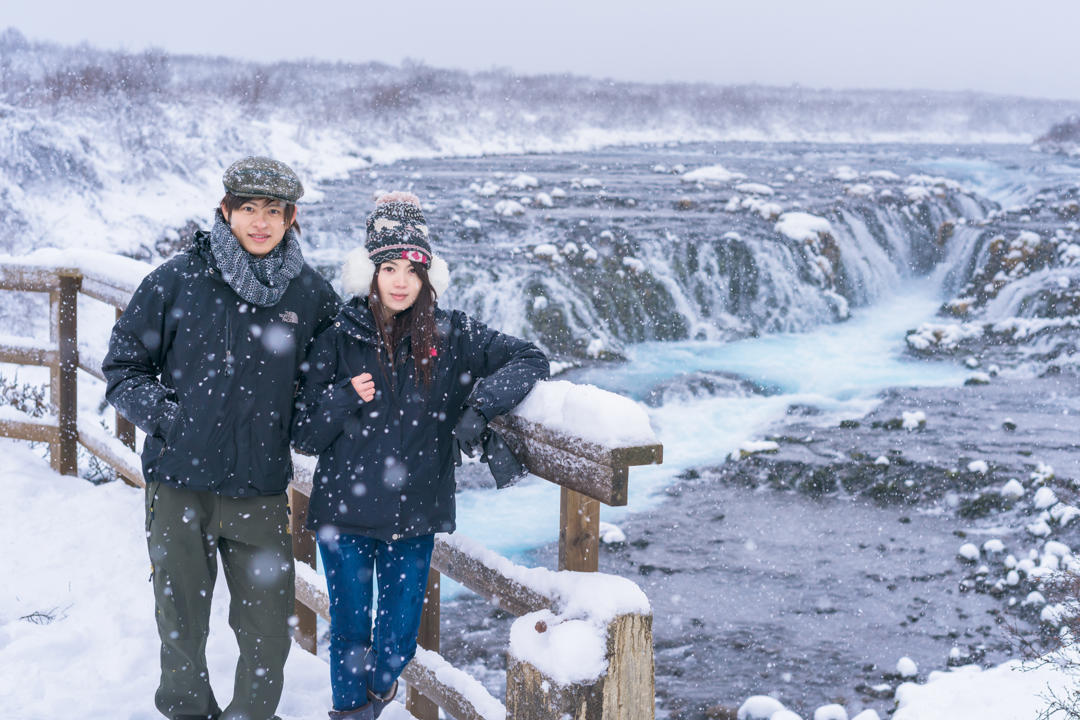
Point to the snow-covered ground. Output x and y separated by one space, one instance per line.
75 552
77 626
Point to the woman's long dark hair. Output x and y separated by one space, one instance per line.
417 321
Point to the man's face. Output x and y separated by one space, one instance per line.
259 224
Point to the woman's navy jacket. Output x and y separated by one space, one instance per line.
386 468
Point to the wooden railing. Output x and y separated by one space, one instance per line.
588 473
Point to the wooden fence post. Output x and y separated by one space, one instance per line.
125 429
428 638
303 551
579 532
625 692
64 456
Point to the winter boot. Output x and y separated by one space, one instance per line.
363 712
381 701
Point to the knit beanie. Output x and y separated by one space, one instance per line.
395 229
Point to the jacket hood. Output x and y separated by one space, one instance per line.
357 271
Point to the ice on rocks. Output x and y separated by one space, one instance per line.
978 466
869 714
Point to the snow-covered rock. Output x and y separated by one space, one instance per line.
1044 498
832 711
759 707
524 182
906 667
509 208
913 420
711 174
969 552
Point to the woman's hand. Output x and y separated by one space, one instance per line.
364 386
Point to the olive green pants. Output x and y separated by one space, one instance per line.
186 530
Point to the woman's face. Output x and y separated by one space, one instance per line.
399 285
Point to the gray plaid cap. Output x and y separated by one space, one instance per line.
263 177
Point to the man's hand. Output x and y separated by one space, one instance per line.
470 431
364 386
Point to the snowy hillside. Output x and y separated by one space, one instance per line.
115 151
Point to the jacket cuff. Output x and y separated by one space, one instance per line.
341 396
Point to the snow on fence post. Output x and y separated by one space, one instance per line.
591 661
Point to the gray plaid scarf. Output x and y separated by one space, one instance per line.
260 280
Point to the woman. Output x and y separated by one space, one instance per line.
392 387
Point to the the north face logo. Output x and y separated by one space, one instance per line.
290 317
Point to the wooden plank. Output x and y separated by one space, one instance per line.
107 292
424 673
311 591
67 405
28 278
611 456
123 459
91 362
579 532
504 592
566 468
27 351
304 549
423 708
32 429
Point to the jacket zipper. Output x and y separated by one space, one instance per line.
228 344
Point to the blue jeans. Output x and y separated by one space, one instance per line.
357 662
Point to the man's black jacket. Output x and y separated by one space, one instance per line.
211 378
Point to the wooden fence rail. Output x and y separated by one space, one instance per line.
587 473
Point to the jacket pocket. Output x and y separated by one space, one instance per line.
270 459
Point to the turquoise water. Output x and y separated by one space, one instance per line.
838 369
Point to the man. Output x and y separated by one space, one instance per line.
205 360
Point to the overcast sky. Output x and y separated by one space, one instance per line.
1024 47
